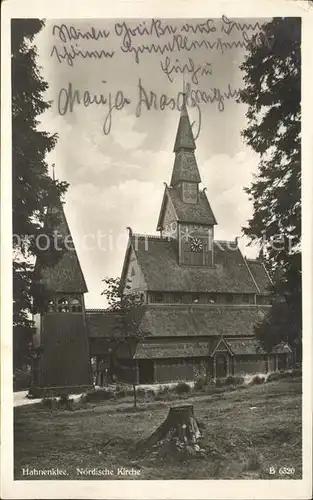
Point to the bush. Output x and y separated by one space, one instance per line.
231 380
123 390
145 393
164 396
256 380
65 402
164 389
22 379
182 388
282 375
200 384
49 403
218 382
97 395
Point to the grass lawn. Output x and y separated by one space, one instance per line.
246 431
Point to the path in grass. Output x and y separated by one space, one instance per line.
247 432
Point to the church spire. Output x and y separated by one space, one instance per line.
57 265
185 166
184 136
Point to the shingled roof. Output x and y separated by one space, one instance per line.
146 350
184 137
185 168
158 260
65 273
197 213
242 347
260 275
177 321
102 323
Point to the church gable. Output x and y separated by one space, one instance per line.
167 213
132 274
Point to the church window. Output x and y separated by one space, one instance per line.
264 300
229 298
157 297
63 306
177 298
51 306
195 299
75 305
212 298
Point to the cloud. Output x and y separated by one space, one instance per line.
123 132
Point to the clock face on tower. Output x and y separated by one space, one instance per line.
196 245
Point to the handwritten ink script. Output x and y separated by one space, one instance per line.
174 49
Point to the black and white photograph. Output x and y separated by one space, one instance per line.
157 201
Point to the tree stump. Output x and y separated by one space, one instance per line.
177 436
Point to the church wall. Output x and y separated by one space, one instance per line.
171 370
271 363
250 364
125 371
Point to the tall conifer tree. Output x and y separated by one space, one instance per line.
273 94
31 183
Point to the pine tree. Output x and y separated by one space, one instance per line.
273 94
32 185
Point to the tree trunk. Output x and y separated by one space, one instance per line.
177 435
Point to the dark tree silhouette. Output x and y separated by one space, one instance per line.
32 186
273 94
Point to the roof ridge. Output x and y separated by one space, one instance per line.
106 311
152 236
226 241
252 277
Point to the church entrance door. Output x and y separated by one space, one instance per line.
221 365
146 371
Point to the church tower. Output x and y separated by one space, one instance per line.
63 362
186 214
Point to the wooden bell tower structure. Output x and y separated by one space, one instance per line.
62 362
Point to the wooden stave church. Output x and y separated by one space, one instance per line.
200 299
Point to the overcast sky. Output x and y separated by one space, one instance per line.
116 179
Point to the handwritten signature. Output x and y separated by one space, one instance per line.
70 97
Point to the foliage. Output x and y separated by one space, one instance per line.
294 374
126 331
231 380
257 380
50 403
182 388
97 395
272 77
200 384
22 379
32 186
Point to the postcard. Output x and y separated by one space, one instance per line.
157 204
